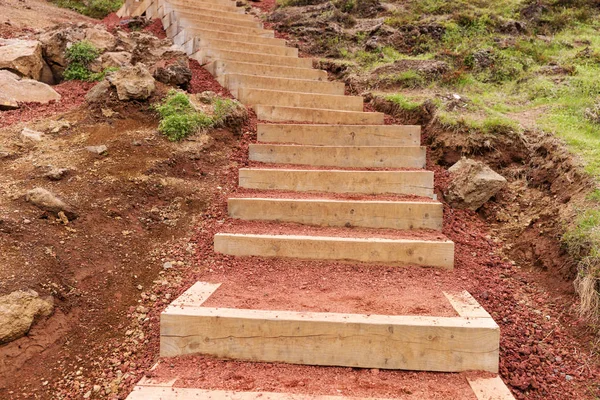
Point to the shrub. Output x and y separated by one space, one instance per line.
80 55
93 8
178 118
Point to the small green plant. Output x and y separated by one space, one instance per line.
179 118
80 55
98 76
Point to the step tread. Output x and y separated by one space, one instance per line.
340 156
220 67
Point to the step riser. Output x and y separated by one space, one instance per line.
381 343
220 68
214 12
199 21
399 253
234 82
208 55
201 3
358 157
381 215
247 47
254 97
419 183
199 34
209 7
319 135
225 29
317 116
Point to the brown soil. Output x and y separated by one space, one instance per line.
17 16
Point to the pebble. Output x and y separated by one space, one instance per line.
168 265
97 149
568 378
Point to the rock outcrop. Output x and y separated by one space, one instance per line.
132 83
47 201
23 57
473 184
18 311
23 90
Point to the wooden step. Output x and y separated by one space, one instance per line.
155 392
225 28
194 32
221 67
254 97
317 115
467 342
419 183
215 12
185 3
246 47
401 252
405 215
207 55
235 81
481 388
199 21
340 135
340 156
207 7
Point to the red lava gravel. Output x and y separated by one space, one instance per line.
72 92
209 373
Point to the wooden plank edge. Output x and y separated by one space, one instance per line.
490 389
195 296
465 305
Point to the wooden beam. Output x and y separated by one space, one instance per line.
490 389
425 343
325 212
402 252
141 392
418 183
466 306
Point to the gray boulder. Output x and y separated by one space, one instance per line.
47 201
19 310
473 184
23 57
25 90
132 83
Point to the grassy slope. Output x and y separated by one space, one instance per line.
542 73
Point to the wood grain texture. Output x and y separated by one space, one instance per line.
340 135
317 115
340 156
373 250
220 67
253 97
490 389
321 212
466 306
353 340
419 183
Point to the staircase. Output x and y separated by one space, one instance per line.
358 189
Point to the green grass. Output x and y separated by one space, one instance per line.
178 118
92 8
403 102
